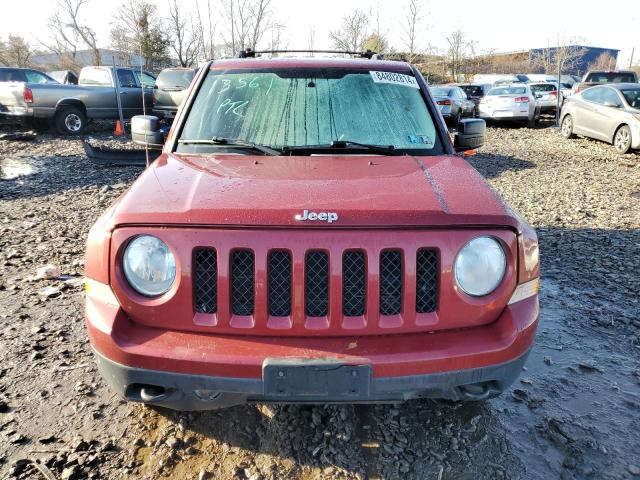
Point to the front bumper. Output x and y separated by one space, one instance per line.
196 371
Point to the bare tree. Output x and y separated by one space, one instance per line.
15 52
604 61
311 37
184 40
410 28
204 31
276 40
352 33
138 29
63 43
260 13
67 24
459 50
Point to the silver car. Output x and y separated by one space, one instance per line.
514 102
609 112
546 96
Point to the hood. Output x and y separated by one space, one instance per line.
361 191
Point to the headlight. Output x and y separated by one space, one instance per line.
480 266
149 265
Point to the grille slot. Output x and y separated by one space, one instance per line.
242 281
279 273
316 284
426 281
353 283
205 280
390 282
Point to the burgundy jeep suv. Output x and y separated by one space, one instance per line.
308 234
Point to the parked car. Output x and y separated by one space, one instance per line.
475 92
453 103
546 96
70 107
513 103
279 251
11 74
66 77
10 111
599 77
609 112
170 89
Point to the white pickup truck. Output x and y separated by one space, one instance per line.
31 97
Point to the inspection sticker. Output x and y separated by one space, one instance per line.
395 79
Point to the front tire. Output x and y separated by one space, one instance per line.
622 139
70 121
566 127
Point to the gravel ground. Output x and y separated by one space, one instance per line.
574 413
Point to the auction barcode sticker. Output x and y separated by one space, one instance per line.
395 78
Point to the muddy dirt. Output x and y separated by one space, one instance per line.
574 412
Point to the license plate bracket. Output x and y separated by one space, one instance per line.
317 378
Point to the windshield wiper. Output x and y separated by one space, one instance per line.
232 142
381 149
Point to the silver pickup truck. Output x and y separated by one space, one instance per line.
69 107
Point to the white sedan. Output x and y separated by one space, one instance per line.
515 103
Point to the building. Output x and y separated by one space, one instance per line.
84 58
537 59
584 56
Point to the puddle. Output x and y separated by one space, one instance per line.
11 168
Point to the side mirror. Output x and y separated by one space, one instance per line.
611 104
145 131
471 134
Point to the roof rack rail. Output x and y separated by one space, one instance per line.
250 53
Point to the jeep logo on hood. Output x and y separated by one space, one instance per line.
306 215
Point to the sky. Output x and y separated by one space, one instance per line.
493 25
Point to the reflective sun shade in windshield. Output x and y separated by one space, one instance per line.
311 107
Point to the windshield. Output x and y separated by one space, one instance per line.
508 91
440 92
544 87
308 106
472 90
611 77
175 78
632 96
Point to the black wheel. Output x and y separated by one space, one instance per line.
566 127
622 139
40 124
70 121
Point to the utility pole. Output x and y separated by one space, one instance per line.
633 49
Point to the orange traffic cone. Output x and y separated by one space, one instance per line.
118 132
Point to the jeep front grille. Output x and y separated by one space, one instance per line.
279 283
356 282
391 282
316 284
205 280
242 282
426 281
